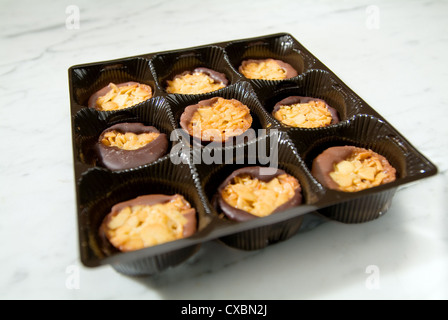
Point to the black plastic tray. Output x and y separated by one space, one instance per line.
97 188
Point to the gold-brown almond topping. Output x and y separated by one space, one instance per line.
258 197
313 114
363 170
141 226
266 70
195 83
128 140
123 97
224 119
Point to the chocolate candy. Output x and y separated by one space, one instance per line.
258 193
219 119
318 113
351 169
111 98
148 220
200 80
128 145
267 69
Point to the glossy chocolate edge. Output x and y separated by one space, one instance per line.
240 215
290 71
216 76
189 111
190 227
91 103
301 99
324 163
115 158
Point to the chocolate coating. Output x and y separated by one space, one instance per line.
254 172
152 199
190 110
91 103
115 158
215 75
290 71
299 99
324 163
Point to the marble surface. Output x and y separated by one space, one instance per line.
392 53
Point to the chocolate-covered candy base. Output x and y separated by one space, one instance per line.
189 228
218 77
91 103
325 162
290 72
239 215
189 112
115 158
299 99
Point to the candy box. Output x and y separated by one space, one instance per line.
195 169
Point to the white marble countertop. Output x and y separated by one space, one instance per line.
392 54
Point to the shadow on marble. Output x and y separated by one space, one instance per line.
332 260
307 266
